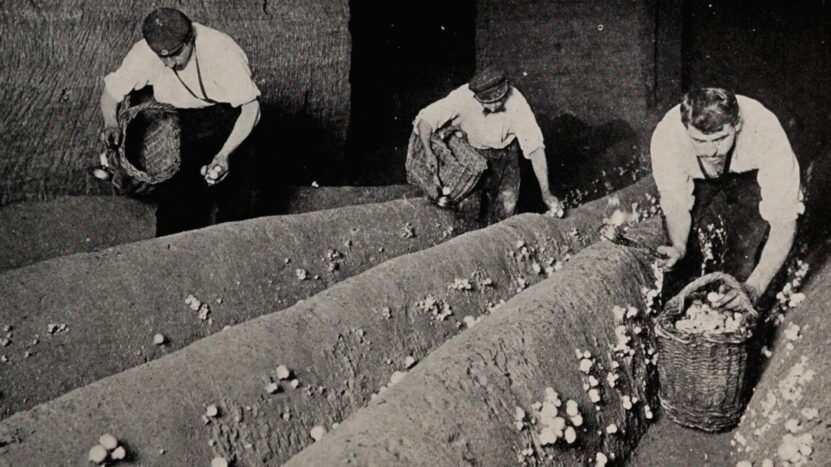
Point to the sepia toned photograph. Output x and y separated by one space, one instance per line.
438 233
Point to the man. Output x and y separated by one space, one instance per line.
716 143
203 73
494 115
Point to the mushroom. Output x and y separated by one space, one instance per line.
97 454
317 432
108 441
283 372
119 453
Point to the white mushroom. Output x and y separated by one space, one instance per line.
108 441
212 411
119 453
570 435
97 454
317 432
159 339
283 372
219 462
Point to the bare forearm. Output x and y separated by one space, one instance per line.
248 118
109 108
779 243
425 132
540 166
678 229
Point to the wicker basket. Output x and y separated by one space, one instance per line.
704 377
156 156
460 166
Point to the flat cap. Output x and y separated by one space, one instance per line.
489 85
166 30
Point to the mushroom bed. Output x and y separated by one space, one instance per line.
33 231
546 379
339 347
73 320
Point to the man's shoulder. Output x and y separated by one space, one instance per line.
214 38
754 112
670 124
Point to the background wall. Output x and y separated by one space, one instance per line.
593 71
778 54
55 53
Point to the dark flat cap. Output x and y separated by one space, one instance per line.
489 85
166 30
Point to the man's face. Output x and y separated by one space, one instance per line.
713 148
494 107
179 60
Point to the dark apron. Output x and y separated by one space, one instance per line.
495 196
186 202
730 201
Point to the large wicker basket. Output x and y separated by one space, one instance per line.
460 166
703 377
150 144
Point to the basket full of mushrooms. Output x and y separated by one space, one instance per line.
703 354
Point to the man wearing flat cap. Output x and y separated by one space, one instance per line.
205 75
499 123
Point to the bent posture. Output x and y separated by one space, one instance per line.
496 119
716 142
205 75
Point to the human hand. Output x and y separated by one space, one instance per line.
555 207
669 256
110 136
216 171
730 298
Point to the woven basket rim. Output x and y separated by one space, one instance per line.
674 309
126 116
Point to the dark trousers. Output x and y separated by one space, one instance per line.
730 202
496 195
186 202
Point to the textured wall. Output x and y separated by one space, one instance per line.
54 54
594 59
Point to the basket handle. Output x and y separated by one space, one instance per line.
130 112
708 279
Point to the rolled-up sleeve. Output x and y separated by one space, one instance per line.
778 177
442 111
524 126
134 73
674 184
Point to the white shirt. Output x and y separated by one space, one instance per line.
222 63
761 144
486 131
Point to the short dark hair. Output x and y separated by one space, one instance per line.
709 109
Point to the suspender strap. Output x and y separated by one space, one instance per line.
199 77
